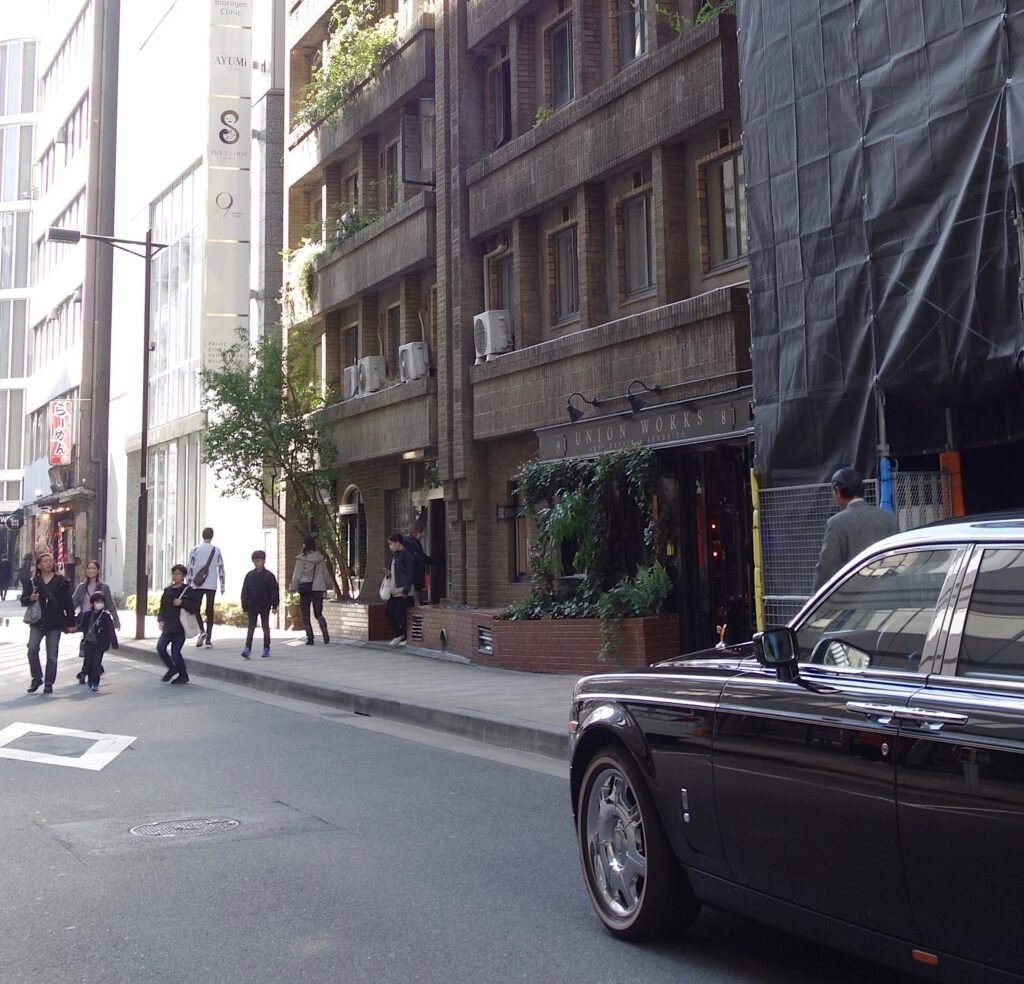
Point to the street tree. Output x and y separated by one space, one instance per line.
262 436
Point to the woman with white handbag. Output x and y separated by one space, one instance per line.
49 612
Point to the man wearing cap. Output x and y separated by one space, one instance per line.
854 528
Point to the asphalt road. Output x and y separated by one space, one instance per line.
360 852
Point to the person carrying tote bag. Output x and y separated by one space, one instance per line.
57 615
309 579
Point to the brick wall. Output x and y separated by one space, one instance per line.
545 646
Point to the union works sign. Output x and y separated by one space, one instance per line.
672 424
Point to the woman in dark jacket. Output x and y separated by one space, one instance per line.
53 592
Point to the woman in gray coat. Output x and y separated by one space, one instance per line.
310 580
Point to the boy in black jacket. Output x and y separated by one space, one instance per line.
99 636
260 594
177 595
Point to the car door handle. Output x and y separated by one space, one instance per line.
882 713
924 716
931 719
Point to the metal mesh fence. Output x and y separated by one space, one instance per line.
792 522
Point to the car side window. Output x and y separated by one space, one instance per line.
881 614
993 637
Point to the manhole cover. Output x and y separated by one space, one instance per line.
185 827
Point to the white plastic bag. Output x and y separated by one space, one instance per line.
385 588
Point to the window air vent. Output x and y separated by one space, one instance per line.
484 640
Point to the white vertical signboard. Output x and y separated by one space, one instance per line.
228 159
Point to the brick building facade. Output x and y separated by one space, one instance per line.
579 228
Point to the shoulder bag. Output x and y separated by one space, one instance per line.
33 613
189 621
200 575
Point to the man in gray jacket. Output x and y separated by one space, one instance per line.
854 528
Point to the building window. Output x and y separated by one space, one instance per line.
394 337
638 234
352 191
15 163
504 276
13 322
14 249
567 285
632 30
560 63
17 77
350 343
502 82
726 209
521 540
391 175
354 516
177 219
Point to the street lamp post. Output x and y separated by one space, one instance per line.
150 249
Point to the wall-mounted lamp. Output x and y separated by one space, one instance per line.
505 511
634 401
575 413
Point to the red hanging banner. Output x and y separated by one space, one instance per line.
60 431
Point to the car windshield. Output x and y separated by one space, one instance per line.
885 610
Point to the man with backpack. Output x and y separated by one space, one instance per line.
205 568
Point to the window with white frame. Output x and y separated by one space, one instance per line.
726 207
13 322
632 30
17 77
177 219
14 249
567 284
15 163
638 243
560 63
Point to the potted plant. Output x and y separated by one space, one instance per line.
291 600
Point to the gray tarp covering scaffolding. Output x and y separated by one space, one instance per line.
882 141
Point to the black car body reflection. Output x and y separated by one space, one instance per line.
857 777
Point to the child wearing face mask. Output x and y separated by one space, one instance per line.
99 635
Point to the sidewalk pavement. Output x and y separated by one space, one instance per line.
522 711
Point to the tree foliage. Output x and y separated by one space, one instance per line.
359 43
262 436
576 500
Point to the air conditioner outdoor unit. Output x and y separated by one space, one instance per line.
371 374
492 333
413 361
351 382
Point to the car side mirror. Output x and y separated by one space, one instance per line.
779 650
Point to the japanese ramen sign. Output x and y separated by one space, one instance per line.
60 431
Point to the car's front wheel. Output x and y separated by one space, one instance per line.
634 880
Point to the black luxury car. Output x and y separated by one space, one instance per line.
856 777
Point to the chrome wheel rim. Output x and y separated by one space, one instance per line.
615 847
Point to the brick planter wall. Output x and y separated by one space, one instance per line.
353 620
554 646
